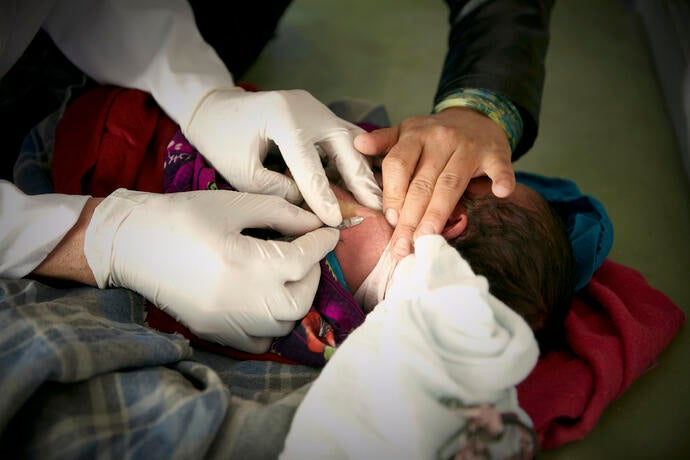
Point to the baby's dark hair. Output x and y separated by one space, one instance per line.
525 253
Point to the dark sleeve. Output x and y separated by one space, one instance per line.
499 45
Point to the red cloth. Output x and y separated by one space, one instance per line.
109 138
617 326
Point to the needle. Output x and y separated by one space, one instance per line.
350 222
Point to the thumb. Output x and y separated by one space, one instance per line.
500 170
278 214
298 270
377 142
302 253
317 243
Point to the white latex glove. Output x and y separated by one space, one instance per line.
233 129
185 253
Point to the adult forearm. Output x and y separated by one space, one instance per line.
67 261
32 226
499 46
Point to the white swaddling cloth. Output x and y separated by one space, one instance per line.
373 289
438 334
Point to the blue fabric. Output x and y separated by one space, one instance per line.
334 265
81 376
32 168
590 228
81 361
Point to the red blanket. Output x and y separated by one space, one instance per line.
110 138
618 324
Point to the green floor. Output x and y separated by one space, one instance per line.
603 125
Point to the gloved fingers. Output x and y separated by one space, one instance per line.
354 169
272 327
296 297
224 328
283 328
353 128
299 268
270 182
261 342
299 256
311 247
248 322
305 166
276 213
252 344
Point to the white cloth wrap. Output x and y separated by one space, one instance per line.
439 333
373 289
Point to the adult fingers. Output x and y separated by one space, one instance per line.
252 337
353 168
421 191
299 269
295 297
305 166
377 142
274 183
292 260
449 187
398 168
499 169
262 211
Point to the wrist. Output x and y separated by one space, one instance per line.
498 108
205 99
107 220
67 260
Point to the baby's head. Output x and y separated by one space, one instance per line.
521 245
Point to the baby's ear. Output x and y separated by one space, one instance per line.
455 226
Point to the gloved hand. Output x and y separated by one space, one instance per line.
185 253
233 130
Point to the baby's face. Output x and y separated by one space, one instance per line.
361 246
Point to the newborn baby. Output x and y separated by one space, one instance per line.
439 332
438 341
518 243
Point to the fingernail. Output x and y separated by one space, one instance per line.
502 188
402 247
392 217
425 228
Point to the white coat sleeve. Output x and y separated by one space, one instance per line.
31 227
151 45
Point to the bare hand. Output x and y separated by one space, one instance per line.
429 160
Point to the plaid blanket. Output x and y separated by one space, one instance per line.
81 376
